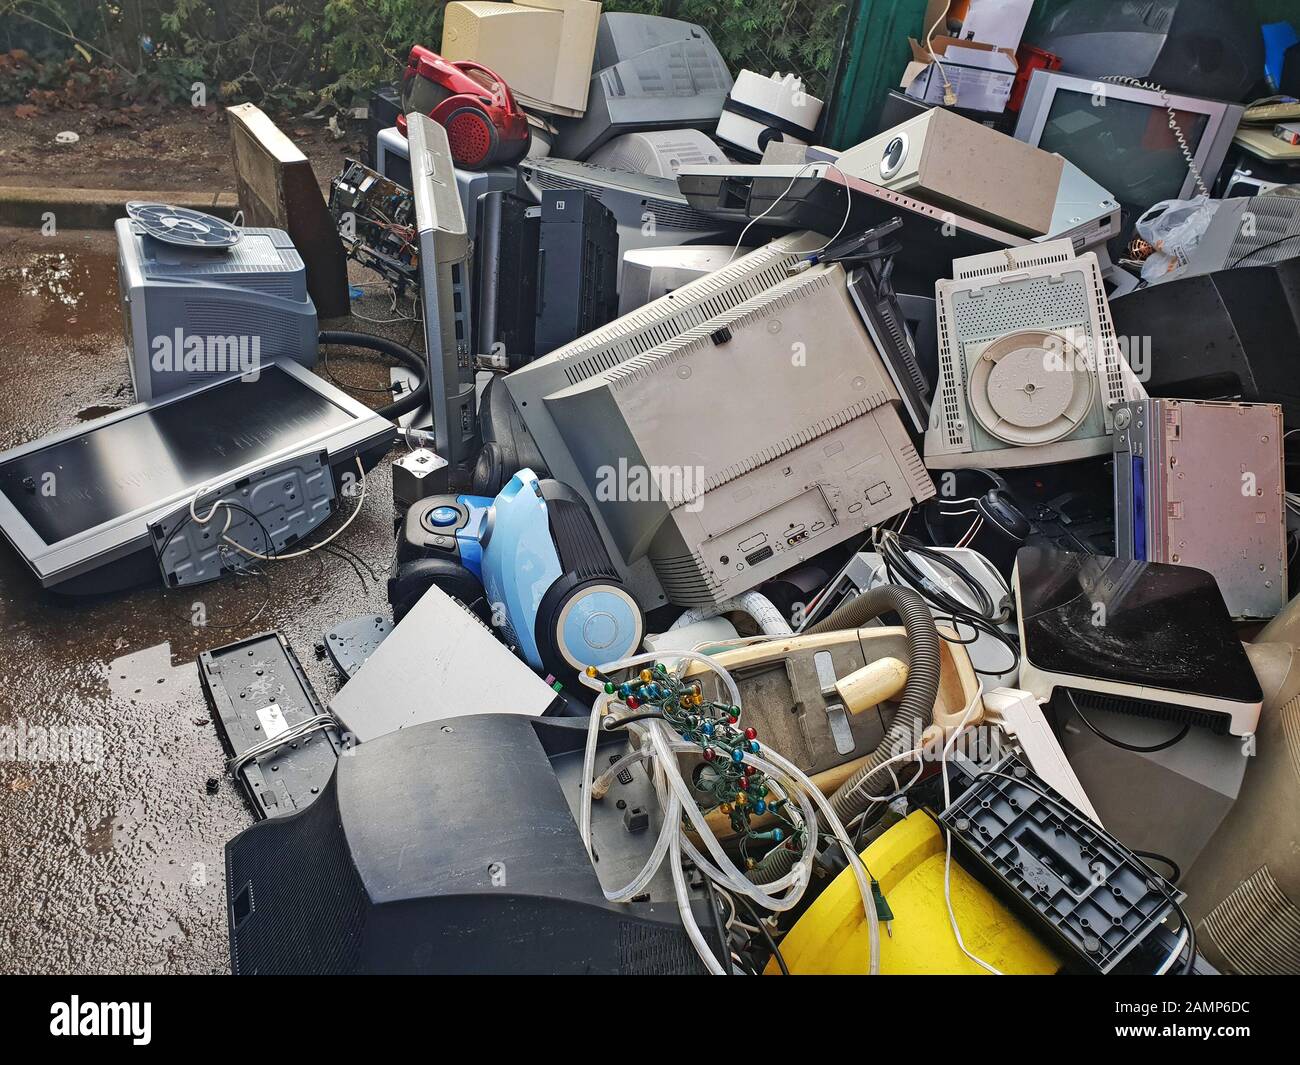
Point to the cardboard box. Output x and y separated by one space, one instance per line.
982 76
980 65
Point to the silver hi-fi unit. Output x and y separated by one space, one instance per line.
445 295
1029 368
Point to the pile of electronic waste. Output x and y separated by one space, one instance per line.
806 561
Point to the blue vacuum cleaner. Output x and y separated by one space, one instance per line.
532 562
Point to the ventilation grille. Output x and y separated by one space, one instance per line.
274 928
1256 928
1290 717
951 390
1108 354
1057 303
1029 257
645 950
1276 218
670 316
213 317
686 580
580 547
1210 720
901 341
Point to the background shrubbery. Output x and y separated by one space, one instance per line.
302 53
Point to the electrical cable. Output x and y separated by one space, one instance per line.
949 93
767 935
289 735
274 557
413 400
790 790
947 859
984 617
848 208
1264 247
1187 727
1173 865
724 947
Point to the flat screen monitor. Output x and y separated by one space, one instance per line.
1166 627
75 501
1120 135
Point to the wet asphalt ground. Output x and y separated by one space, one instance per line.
111 851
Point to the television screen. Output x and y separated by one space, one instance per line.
1125 146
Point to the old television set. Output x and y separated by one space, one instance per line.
649 73
542 48
1120 136
776 483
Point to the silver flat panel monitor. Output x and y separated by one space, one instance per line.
76 502
445 295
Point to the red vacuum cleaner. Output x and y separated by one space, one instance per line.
485 127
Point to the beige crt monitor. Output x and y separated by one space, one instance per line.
948 161
543 49
661 320
767 435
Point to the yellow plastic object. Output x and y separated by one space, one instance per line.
831 937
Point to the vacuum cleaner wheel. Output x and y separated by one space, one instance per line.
472 137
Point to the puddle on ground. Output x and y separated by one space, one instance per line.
71 294
117 865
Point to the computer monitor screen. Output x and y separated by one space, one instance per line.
1125 146
138 460
1121 135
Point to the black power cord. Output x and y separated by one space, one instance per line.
985 618
771 943
1163 746
413 400
1163 860
724 944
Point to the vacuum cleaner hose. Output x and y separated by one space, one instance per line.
915 711
400 352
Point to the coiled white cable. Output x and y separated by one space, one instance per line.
1167 102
